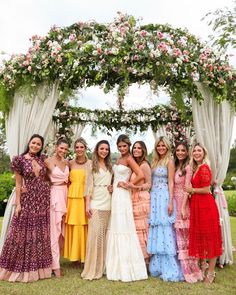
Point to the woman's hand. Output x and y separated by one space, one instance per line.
131 185
123 184
17 210
183 213
23 189
188 189
89 212
88 209
170 208
110 188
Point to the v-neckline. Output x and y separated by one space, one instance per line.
60 168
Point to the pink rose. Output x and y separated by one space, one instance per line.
160 35
59 59
72 37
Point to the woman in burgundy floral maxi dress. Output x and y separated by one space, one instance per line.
26 254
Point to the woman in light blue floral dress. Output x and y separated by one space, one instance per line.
161 238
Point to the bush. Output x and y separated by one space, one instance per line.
228 183
7 183
232 204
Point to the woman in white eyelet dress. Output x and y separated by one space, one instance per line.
124 259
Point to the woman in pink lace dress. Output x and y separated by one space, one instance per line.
183 174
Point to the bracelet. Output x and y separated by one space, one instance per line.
193 191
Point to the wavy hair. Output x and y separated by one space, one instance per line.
124 138
81 140
144 153
185 161
156 160
95 157
206 160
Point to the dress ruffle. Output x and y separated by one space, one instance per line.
25 277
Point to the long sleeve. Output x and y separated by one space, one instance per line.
89 179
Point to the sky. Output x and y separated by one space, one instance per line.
19 20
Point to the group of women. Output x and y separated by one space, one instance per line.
122 220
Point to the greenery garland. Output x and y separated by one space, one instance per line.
177 123
119 54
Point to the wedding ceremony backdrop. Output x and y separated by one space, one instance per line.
36 87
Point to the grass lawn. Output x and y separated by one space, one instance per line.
228 194
72 284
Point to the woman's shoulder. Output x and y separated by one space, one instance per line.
205 166
43 157
17 157
145 165
188 168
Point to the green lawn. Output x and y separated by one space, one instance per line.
228 194
72 284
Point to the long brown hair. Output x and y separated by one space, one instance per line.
95 157
124 138
143 158
31 138
185 161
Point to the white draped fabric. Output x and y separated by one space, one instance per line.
161 131
26 118
77 130
213 124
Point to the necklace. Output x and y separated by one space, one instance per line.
81 162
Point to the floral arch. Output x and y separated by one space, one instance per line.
114 56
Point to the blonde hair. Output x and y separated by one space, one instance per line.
205 159
156 160
81 140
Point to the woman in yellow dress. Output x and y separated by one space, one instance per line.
76 223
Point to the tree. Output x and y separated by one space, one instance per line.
223 23
4 156
232 160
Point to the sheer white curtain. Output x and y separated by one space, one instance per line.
161 131
27 117
213 124
78 129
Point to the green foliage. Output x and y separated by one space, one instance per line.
4 157
6 98
177 121
232 160
228 183
231 200
115 56
7 183
223 23
232 205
